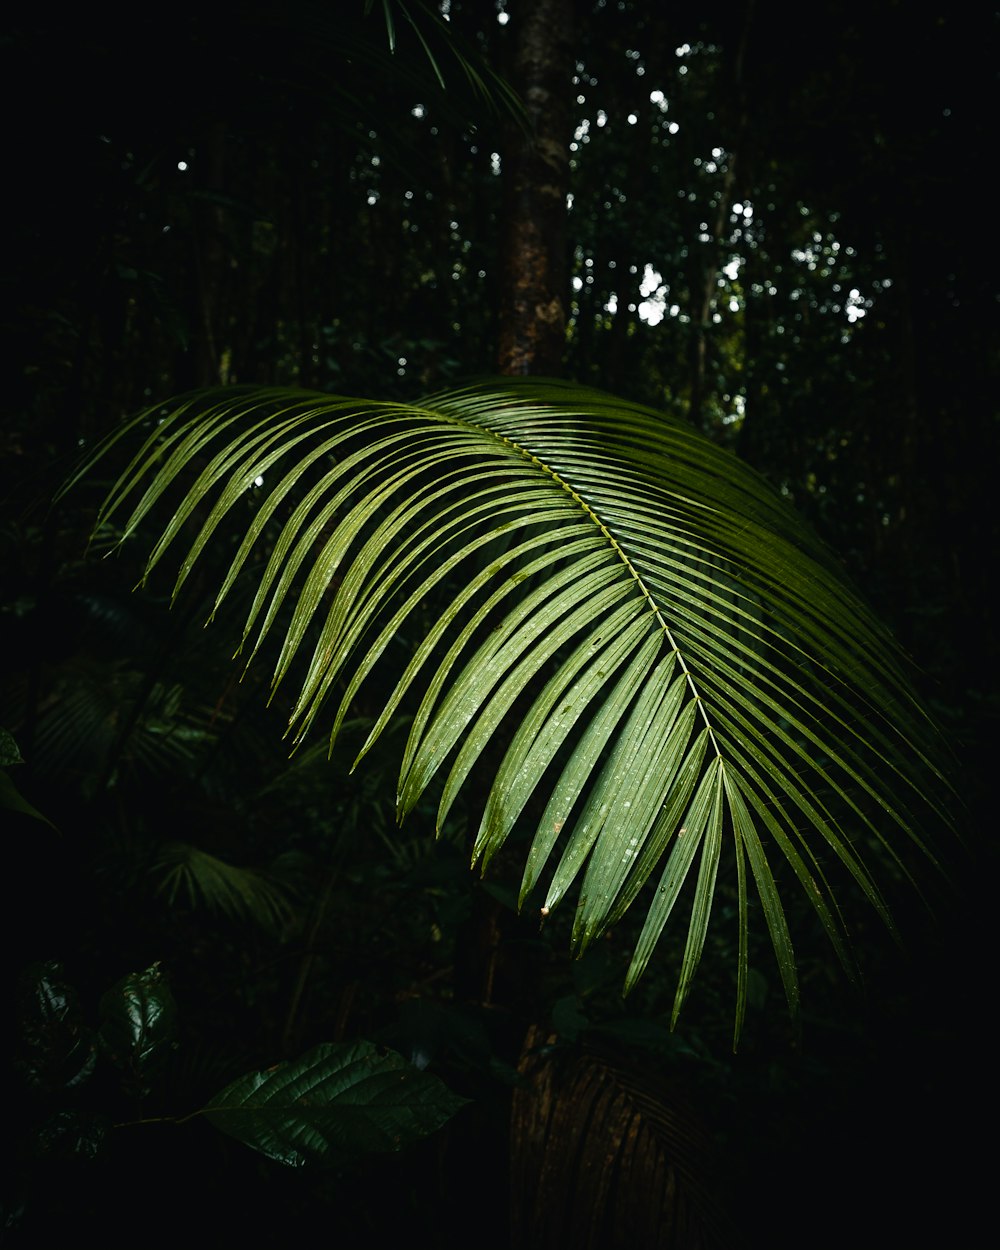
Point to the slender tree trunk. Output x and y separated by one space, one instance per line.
704 290
210 264
705 285
534 295
532 331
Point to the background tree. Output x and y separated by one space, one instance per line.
532 330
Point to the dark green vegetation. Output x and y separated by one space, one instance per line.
280 201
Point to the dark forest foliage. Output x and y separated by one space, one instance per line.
774 234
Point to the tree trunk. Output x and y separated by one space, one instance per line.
532 332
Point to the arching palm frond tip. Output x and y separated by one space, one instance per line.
673 665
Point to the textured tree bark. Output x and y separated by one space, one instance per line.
604 1157
532 327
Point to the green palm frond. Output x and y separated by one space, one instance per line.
432 32
188 873
675 669
101 716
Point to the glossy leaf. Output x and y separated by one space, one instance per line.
678 675
57 1050
139 1023
337 1099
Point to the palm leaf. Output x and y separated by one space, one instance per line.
677 671
185 871
429 28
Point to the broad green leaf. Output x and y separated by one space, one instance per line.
338 1099
139 1023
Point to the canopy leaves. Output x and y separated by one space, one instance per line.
671 669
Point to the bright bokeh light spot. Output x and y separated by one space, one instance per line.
495 162
740 405
856 305
632 119
651 279
182 166
673 128
418 110
602 117
654 293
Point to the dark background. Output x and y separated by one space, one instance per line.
337 226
